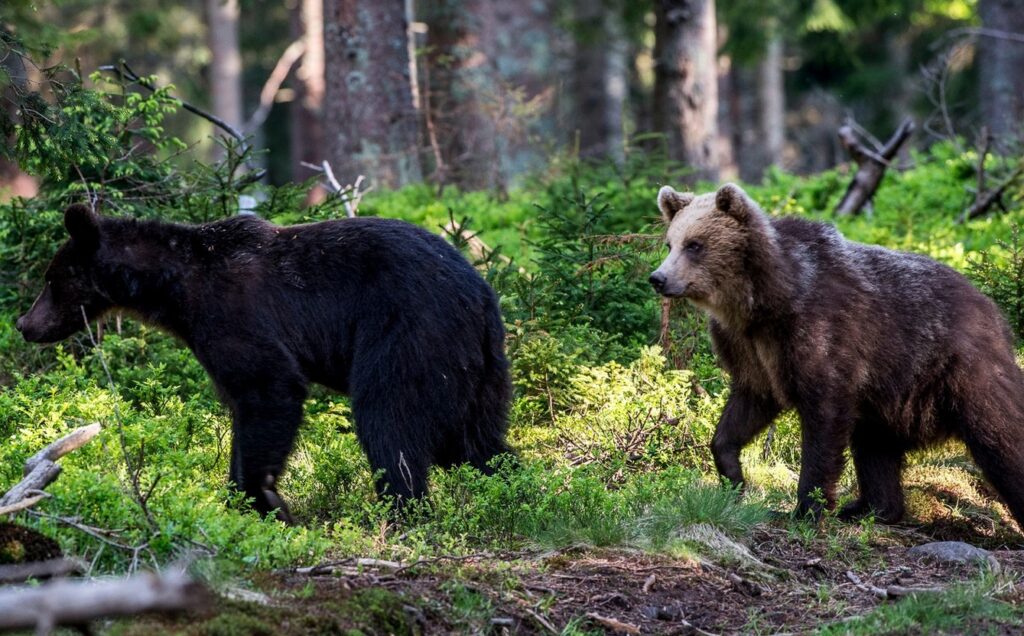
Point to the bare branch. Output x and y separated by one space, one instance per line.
126 71
350 195
277 77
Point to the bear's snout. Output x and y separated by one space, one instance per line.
19 324
658 280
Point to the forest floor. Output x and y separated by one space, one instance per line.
786 578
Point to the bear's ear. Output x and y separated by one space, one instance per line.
671 202
732 200
82 225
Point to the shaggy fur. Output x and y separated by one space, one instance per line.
882 351
378 309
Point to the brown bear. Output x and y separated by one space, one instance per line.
379 309
880 350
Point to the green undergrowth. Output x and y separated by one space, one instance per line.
611 426
975 607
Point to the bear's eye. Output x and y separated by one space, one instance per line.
694 247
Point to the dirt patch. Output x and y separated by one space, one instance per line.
803 584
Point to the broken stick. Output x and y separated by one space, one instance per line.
42 468
871 166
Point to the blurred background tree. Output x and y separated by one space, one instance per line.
482 94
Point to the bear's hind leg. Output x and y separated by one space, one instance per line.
878 460
992 426
395 442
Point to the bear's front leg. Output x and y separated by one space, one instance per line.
825 432
745 415
265 424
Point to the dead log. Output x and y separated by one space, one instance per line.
985 199
871 166
42 468
66 602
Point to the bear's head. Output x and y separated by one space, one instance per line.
71 285
707 239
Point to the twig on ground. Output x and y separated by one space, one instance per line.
613 624
649 583
864 587
543 622
897 591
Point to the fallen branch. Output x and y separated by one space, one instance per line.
614 624
331 568
897 591
543 622
984 200
870 589
871 166
65 602
42 469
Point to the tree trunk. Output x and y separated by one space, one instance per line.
599 76
525 54
773 106
14 182
1001 69
685 84
458 82
370 123
225 61
307 21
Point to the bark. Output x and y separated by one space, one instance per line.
773 105
685 84
727 143
599 80
307 23
225 61
744 123
1001 69
370 123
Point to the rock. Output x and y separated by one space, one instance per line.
954 552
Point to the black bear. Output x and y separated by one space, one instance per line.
878 350
379 309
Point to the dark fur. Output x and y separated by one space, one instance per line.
378 309
883 351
